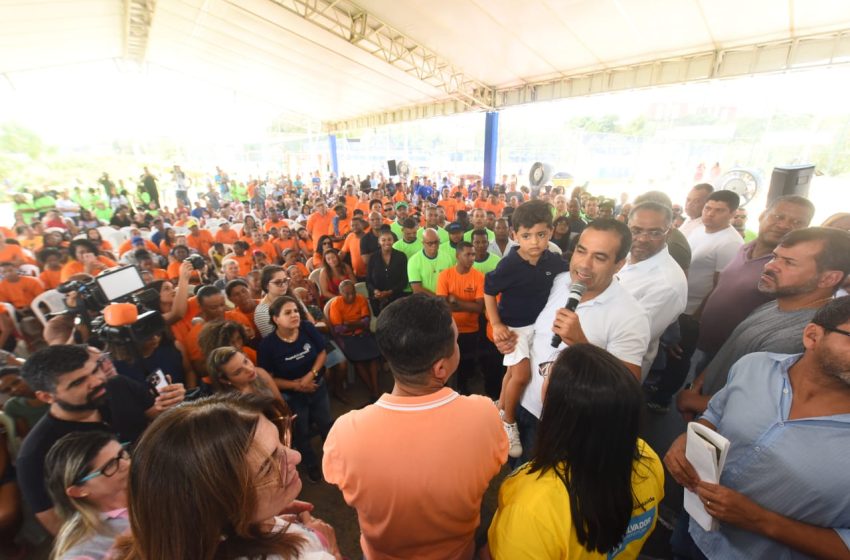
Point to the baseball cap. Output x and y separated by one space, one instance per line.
454 227
400 205
137 239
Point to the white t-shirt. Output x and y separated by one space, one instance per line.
710 253
661 288
613 320
690 225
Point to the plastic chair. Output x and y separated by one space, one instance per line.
29 270
12 314
53 300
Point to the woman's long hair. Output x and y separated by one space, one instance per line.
66 463
216 334
192 493
588 436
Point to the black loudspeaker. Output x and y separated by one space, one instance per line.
792 179
392 166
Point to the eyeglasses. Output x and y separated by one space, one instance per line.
833 329
279 283
650 233
110 467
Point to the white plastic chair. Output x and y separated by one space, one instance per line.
114 236
29 270
53 300
11 309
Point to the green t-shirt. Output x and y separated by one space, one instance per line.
104 214
441 233
396 228
409 249
450 251
487 265
425 270
44 203
468 235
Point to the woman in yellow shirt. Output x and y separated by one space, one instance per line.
592 489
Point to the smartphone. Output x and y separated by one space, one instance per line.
156 381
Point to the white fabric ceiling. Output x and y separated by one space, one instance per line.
261 48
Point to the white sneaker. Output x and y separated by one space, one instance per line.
513 439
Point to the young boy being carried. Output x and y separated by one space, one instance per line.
523 278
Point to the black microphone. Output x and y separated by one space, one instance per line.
576 291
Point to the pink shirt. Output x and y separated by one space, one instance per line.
416 468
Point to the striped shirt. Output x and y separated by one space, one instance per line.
796 468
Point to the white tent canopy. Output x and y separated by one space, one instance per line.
378 61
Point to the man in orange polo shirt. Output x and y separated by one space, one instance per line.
319 221
429 508
16 289
226 234
274 220
199 239
463 289
351 246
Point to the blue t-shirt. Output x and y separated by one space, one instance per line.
524 287
291 360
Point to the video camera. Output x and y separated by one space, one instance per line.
118 285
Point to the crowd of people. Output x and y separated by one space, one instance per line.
189 440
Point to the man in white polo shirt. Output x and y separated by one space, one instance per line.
651 275
607 316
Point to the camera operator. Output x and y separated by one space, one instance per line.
180 254
75 381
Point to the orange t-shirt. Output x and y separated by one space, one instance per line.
466 287
284 244
480 203
351 245
362 206
450 207
278 224
344 226
266 248
173 272
202 243
128 245
228 237
13 253
20 293
399 196
159 274
430 507
317 225
193 349
246 263
341 312
50 278
237 316
495 208
351 202
71 268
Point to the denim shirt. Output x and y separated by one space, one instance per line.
796 468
